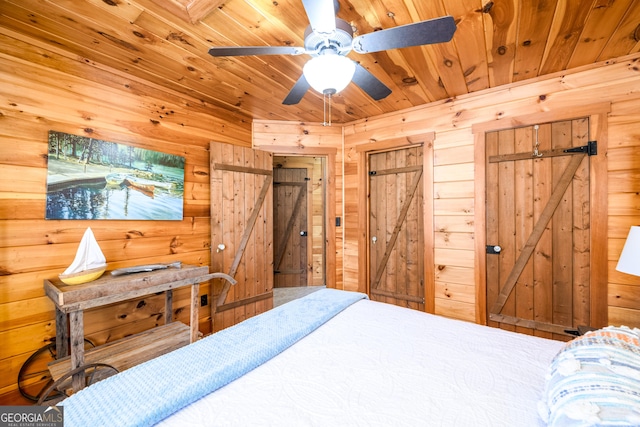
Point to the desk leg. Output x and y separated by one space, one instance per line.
195 289
62 334
76 319
168 307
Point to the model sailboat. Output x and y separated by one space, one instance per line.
89 263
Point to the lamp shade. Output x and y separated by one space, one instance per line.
329 73
629 261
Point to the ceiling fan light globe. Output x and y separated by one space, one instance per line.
329 73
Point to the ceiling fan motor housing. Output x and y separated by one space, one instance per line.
340 40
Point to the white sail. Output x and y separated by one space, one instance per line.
88 256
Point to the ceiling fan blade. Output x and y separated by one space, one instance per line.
255 50
297 91
322 15
438 30
370 83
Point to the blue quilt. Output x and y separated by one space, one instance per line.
150 392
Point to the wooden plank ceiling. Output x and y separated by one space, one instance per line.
166 42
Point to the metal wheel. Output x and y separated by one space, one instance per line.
35 370
93 373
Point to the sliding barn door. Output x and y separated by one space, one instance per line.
396 237
538 227
291 232
241 232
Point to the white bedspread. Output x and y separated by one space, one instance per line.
148 393
376 364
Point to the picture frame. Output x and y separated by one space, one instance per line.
89 178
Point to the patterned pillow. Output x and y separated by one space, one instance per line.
594 380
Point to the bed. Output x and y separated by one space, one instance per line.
337 358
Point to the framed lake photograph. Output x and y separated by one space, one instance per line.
92 179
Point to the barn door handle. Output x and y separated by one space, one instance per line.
493 249
374 239
303 233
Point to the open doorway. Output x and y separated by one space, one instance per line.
299 221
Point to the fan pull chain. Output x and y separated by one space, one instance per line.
326 108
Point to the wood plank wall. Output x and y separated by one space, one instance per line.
44 89
617 82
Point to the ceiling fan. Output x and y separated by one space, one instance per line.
329 39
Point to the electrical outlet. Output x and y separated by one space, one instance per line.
203 300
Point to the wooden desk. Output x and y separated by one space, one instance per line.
72 300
